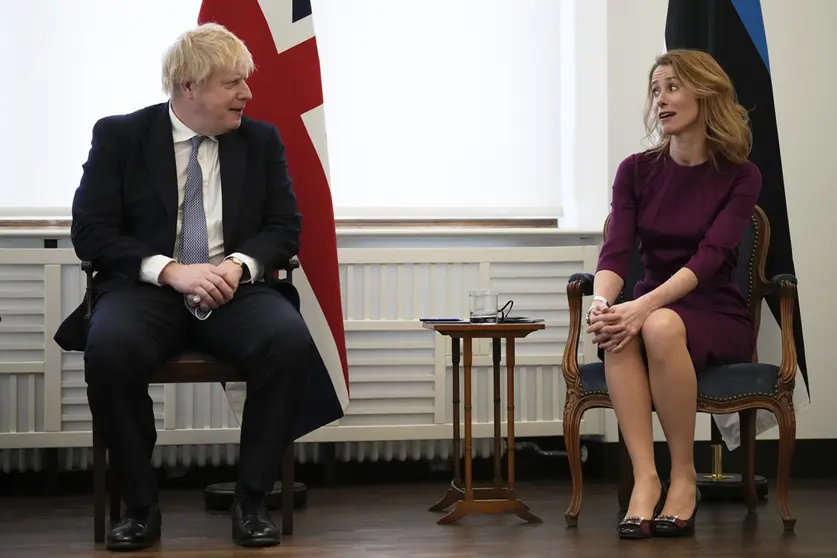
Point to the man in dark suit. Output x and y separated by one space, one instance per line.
186 210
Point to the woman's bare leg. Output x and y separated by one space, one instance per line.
627 384
674 392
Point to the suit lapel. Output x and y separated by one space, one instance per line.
232 153
159 149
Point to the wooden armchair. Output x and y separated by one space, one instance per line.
188 367
741 388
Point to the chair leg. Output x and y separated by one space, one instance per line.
572 442
115 498
99 487
786 416
748 455
288 491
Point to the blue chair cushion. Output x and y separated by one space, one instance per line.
727 382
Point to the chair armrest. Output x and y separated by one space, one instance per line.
579 285
783 286
778 281
585 283
288 267
87 268
292 264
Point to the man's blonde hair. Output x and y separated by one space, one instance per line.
199 53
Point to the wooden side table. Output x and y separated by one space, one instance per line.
497 498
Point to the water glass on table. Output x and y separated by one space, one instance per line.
484 306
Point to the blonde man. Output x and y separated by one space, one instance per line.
186 210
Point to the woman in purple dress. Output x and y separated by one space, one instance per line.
689 200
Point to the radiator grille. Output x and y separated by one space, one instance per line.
213 455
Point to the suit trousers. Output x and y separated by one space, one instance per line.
135 328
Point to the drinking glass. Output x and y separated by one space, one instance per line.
484 303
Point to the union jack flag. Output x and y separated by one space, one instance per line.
287 92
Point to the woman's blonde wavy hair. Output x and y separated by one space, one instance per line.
726 122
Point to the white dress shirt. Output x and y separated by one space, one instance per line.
151 267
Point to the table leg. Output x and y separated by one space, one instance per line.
457 419
493 499
498 475
454 493
520 509
464 507
469 481
510 409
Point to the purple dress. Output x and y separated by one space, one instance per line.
693 217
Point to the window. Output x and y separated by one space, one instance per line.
69 64
434 108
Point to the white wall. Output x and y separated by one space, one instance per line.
801 45
584 118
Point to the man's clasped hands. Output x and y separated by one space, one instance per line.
207 285
614 326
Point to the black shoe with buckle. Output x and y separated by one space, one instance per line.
673 526
634 527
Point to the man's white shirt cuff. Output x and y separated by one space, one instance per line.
152 266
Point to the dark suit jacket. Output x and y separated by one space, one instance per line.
125 208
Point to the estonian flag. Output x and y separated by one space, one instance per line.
732 31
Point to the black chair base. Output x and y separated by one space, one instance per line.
728 488
219 496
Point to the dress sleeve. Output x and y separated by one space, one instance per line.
724 235
617 248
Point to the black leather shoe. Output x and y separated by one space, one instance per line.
634 527
136 530
673 526
251 525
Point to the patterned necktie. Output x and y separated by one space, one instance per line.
194 241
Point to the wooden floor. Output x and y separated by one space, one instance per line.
394 521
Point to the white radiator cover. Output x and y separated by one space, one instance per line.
400 374
174 458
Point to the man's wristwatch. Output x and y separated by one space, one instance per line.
245 271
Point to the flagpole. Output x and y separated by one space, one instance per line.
720 486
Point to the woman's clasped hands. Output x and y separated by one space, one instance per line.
613 327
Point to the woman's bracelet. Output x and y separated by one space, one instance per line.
596 299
